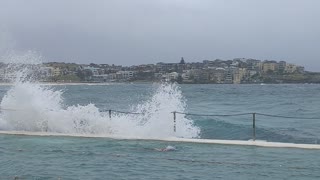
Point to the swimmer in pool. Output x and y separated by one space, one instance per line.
168 148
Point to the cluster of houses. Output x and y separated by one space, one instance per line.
236 71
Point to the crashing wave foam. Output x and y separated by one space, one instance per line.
36 108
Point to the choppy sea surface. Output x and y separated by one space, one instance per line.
83 109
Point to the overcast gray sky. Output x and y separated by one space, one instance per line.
148 31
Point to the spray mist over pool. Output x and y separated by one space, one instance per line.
37 108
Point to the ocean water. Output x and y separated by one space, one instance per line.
83 109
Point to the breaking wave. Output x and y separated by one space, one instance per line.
29 106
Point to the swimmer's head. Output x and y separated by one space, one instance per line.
170 148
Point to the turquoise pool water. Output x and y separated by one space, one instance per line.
29 157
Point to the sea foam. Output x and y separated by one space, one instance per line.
30 106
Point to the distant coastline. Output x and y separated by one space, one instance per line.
142 82
236 71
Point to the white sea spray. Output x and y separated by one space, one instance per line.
30 106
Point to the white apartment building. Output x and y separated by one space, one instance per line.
56 71
171 76
126 74
290 68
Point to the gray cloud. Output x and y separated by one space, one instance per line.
144 31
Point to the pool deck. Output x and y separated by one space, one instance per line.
258 143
